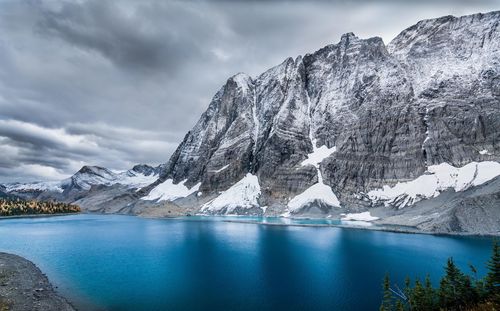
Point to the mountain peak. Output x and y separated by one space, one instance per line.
348 36
145 169
481 24
91 169
242 80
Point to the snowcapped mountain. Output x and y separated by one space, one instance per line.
357 127
137 177
83 181
331 128
34 186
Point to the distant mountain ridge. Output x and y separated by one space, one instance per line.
86 178
355 126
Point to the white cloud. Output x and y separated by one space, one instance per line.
33 172
29 132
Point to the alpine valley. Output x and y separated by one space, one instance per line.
403 135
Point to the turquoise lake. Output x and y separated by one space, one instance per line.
112 262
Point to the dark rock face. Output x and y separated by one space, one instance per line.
4 193
455 64
223 135
145 170
430 96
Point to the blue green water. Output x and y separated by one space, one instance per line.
131 263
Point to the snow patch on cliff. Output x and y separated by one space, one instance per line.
168 191
437 179
133 179
220 169
318 154
244 194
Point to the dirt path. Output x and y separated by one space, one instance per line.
23 287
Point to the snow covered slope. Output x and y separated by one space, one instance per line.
241 197
317 194
438 178
168 191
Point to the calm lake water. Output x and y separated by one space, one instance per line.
129 263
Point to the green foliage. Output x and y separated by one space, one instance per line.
400 306
32 207
387 300
430 302
492 282
456 291
452 289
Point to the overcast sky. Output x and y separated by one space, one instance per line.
115 83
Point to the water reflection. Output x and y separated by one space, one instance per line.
129 263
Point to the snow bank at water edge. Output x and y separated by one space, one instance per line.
168 191
244 194
364 216
437 179
317 193
358 219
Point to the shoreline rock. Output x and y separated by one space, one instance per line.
23 287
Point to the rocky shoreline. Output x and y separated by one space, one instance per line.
23 287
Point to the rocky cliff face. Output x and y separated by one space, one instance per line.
430 96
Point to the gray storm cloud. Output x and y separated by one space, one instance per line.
115 83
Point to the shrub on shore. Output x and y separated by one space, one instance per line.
32 207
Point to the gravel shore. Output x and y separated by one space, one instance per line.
23 287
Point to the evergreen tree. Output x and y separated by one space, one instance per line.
492 285
400 306
408 290
387 298
417 297
469 293
478 284
451 286
430 300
